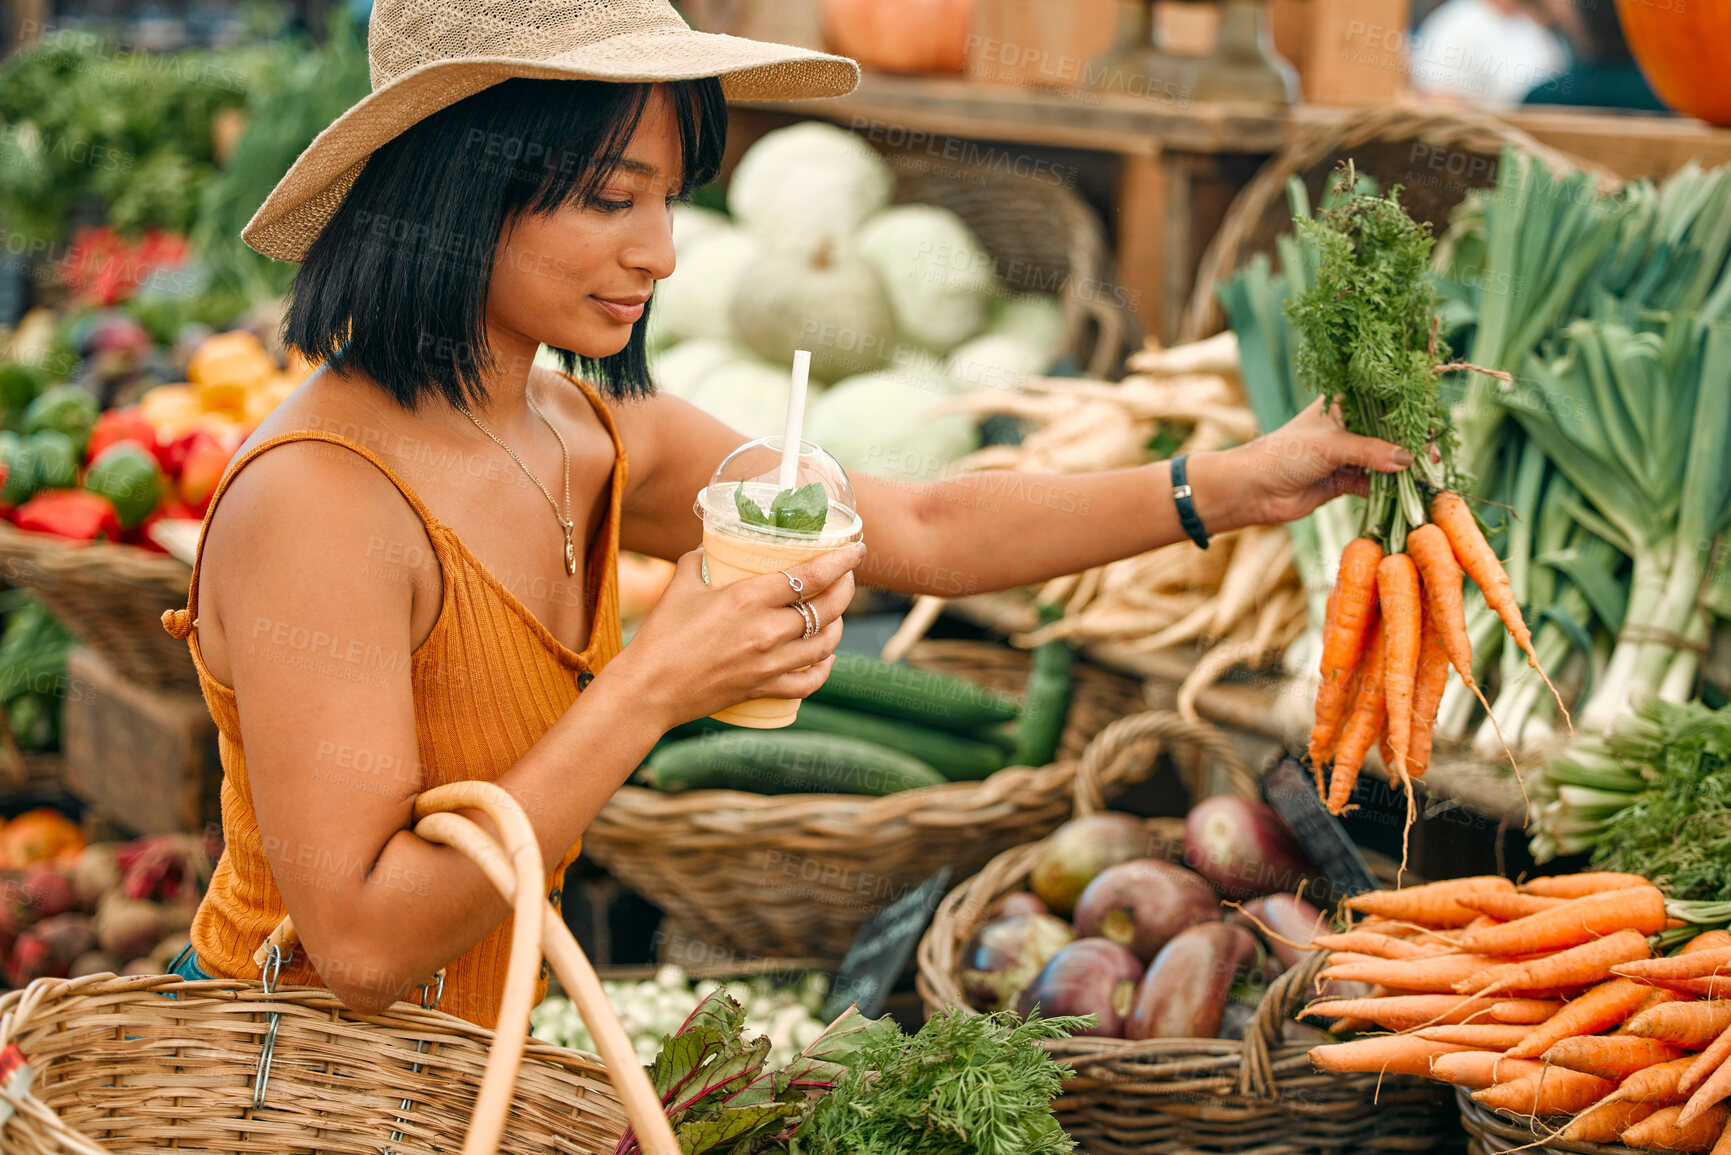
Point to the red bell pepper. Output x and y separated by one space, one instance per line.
74 513
116 425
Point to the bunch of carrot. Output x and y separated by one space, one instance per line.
1545 999
1395 624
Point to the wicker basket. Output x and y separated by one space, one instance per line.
1437 156
795 875
1042 238
111 1066
1127 1097
1489 1133
110 597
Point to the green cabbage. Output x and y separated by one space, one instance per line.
808 183
938 278
883 424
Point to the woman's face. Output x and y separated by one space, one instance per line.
578 278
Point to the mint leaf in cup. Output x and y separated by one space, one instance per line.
749 511
801 510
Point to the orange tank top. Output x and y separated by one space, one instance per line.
518 680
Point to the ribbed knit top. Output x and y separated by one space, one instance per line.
488 682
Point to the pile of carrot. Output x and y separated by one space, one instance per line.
1545 999
1395 624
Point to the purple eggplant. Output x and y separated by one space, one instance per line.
1079 850
1141 904
1005 955
1184 993
1089 977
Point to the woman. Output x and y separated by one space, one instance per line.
383 603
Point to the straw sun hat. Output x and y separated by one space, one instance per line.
426 55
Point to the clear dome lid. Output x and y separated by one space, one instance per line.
747 486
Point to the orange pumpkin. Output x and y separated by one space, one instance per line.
900 35
36 836
1680 48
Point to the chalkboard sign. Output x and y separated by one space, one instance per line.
882 948
1290 789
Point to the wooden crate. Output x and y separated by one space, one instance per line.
143 758
1038 43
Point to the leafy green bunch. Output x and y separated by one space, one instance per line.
802 510
964 1085
1366 327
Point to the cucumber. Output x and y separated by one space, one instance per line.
958 759
1046 703
859 682
783 762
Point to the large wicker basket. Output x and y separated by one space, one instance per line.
109 1066
1436 155
795 875
1490 1133
110 597
1194 1095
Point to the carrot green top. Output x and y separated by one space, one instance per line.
488 682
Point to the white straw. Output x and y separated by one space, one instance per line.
790 439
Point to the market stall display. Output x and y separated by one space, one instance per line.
1199 1047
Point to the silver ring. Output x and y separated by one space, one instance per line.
798 586
809 617
816 623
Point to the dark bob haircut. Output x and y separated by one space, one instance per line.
396 284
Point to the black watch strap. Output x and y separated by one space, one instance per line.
1186 508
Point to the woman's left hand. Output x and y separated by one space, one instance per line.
1283 475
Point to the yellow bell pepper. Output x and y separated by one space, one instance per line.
170 409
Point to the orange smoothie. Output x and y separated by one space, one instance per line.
733 550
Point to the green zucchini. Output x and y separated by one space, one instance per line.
1046 702
859 682
957 758
784 762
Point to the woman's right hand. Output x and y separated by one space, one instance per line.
703 649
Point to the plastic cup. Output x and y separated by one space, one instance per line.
734 548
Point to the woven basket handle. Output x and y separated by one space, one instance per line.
1267 1028
512 863
1128 750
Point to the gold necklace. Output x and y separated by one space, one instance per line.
564 518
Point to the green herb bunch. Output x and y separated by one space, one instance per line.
802 510
1678 830
1366 328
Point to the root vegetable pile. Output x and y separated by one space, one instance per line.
1366 327
1546 1000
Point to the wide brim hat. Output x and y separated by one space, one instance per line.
426 55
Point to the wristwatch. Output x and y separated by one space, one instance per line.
1186 508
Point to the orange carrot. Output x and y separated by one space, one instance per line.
1580 920
1427 691
1579 966
1690 1025
1604 1006
1397 593
1657 1084
1723 1145
1714 988
1665 1130
1605 1122
1434 904
1559 1092
1708 1062
1490 1036
1403 1012
1364 721
1707 940
1615 1057
1437 976
1379 945
1709 1091
1526 1011
1479 561
1693 965
1429 548
1346 627
1581 885
1390 1054
1482 1068
1507 905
